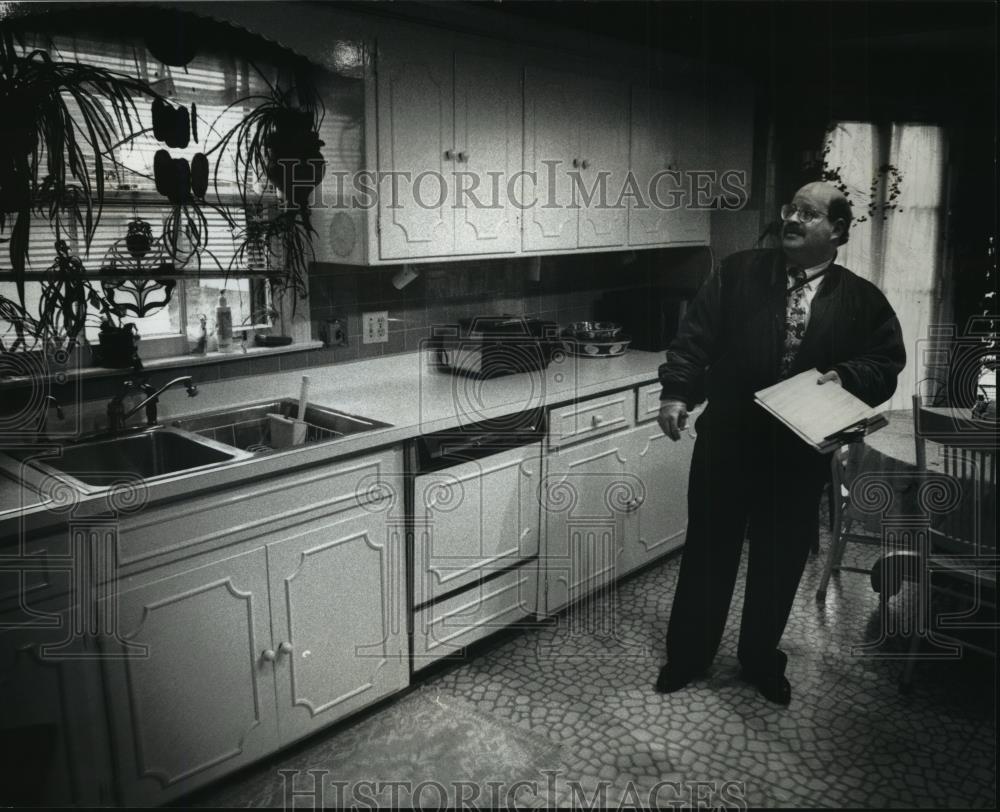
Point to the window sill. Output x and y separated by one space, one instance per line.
172 362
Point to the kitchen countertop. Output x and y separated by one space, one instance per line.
402 390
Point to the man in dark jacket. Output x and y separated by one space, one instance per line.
762 317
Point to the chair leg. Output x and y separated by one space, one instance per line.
906 678
837 544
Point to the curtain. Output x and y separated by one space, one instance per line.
900 251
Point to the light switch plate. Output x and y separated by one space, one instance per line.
375 327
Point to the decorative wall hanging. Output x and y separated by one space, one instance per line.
171 124
143 296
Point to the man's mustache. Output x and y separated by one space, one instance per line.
791 228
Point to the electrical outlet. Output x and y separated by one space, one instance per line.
375 327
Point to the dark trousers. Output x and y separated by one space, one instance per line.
749 477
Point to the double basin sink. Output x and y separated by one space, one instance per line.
187 444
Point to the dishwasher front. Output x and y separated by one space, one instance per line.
476 527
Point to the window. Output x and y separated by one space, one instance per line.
210 84
903 253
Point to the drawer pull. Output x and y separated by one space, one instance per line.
268 655
284 648
596 420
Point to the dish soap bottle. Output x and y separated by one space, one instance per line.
224 324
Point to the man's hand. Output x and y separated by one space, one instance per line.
672 418
826 377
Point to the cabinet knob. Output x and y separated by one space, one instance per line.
596 420
463 157
585 163
449 155
284 647
576 163
268 655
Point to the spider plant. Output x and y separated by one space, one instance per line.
283 238
278 143
68 299
58 121
24 325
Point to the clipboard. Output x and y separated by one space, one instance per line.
823 416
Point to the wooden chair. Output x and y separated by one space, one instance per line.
961 556
844 467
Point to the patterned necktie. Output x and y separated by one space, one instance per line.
795 319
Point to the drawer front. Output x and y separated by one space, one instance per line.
254 511
647 402
443 629
591 418
41 568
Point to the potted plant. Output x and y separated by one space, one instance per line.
278 142
60 119
118 344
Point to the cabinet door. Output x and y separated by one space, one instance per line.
551 144
666 144
474 519
488 122
198 701
586 494
415 132
604 145
51 714
688 138
652 154
657 520
338 618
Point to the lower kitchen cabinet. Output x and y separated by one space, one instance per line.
338 620
657 518
52 730
221 664
585 498
612 503
191 693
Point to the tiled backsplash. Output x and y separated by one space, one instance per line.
568 289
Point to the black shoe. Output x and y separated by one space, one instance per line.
673 679
773 687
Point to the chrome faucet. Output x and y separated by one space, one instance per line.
50 402
116 408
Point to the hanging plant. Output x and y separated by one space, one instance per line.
66 295
282 239
278 143
52 160
24 325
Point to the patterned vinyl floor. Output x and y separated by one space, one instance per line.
585 684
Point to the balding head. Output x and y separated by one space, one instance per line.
829 198
819 223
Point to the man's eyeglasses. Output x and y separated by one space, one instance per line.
806 214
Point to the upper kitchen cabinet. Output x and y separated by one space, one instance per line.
668 142
577 151
449 132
